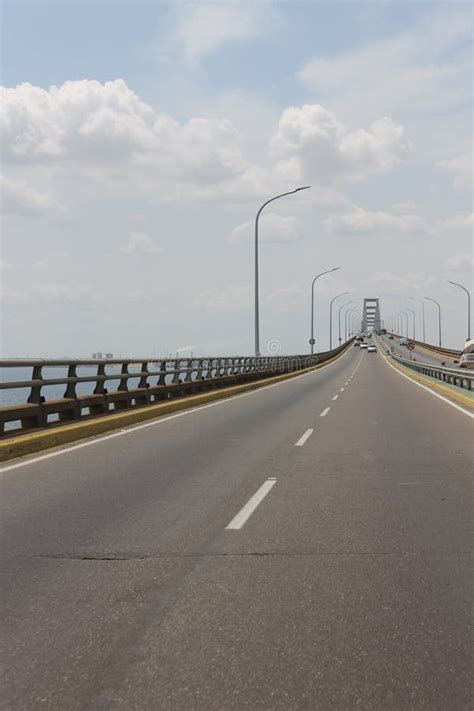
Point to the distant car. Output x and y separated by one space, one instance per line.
467 360
364 345
371 349
390 338
357 343
403 341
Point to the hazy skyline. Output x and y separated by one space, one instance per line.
140 138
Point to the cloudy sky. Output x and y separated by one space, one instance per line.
140 138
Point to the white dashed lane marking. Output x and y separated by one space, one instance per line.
246 511
304 437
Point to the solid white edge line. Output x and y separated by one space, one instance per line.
304 437
325 412
429 390
159 420
335 397
246 511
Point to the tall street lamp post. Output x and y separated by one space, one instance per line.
330 316
415 298
439 317
468 294
406 325
352 324
397 323
348 313
342 306
414 324
257 305
328 271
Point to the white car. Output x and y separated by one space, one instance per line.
371 349
403 341
467 360
364 345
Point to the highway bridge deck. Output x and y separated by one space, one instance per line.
345 583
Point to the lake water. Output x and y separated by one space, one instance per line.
17 396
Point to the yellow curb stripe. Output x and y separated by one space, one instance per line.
465 399
22 445
429 382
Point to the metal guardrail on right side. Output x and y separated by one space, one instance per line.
452 376
448 352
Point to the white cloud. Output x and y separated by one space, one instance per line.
140 243
461 262
14 297
105 131
137 296
203 28
81 119
397 285
288 299
460 169
421 69
460 222
405 207
321 147
65 293
18 198
228 298
273 228
359 220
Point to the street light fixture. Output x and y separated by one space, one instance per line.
352 324
344 293
328 271
342 306
439 317
257 304
414 325
397 323
348 313
415 298
468 306
406 316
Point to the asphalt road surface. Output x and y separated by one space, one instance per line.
422 355
305 546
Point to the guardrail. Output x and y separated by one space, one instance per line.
155 381
452 376
449 352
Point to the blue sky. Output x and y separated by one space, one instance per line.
129 188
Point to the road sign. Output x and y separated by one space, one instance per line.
312 341
410 345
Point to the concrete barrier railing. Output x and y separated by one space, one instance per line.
141 382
